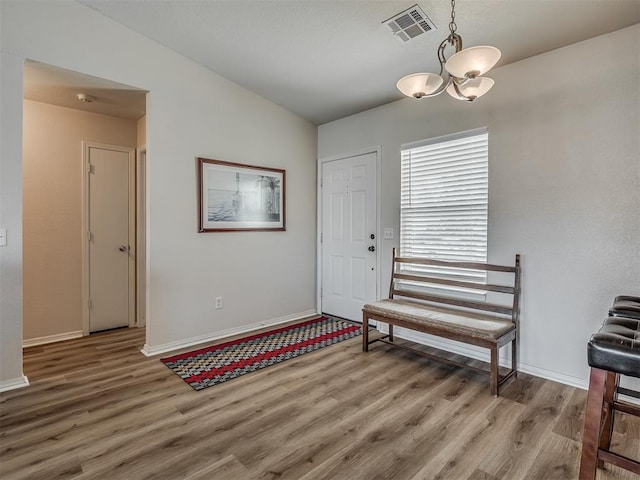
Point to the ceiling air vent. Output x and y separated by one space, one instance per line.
410 23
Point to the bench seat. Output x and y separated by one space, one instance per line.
427 317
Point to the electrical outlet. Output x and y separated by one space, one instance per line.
218 302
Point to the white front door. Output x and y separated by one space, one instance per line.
349 230
109 237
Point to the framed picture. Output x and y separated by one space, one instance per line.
234 197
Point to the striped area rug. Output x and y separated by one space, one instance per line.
213 365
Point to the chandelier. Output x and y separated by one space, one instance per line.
463 70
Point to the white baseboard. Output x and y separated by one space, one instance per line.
14 383
559 377
150 351
581 383
59 337
483 355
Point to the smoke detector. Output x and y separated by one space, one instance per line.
410 23
85 97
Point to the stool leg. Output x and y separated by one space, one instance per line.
611 383
592 424
390 332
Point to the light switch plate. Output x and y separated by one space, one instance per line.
3 237
388 234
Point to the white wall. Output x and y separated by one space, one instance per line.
564 184
11 219
52 209
263 276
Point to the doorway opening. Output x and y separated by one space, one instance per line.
62 109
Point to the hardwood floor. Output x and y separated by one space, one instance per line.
98 409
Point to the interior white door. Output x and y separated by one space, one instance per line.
109 249
349 229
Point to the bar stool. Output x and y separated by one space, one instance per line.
613 351
625 306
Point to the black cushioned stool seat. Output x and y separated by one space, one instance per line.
613 351
616 346
626 306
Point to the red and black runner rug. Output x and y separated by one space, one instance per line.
213 365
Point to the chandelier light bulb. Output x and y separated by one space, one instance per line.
471 89
418 85
473 61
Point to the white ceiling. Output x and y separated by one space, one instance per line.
328 59
57 86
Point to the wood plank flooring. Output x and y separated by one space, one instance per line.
98 409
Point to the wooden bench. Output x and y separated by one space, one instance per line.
415 302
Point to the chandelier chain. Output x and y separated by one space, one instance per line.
452 23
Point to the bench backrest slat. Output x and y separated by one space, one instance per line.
455 283
487 307
467 265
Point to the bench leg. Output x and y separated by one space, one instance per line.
365 332
390 332
514 357
592 424
494 378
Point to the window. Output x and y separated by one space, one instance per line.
444 194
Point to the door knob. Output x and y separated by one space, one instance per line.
372 236
123 248
372 248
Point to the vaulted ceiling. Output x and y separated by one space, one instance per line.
328 59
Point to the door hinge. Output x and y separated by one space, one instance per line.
321 182
90 304
321 291
88 236
90 168
321 236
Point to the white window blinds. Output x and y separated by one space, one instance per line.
444 195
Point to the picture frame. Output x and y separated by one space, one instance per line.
239 197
